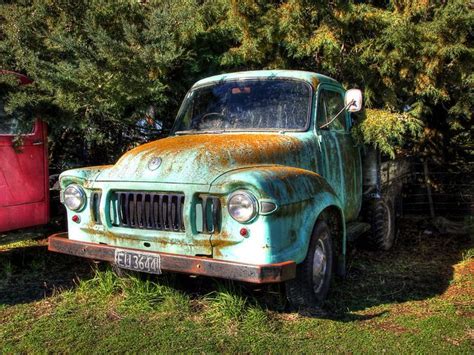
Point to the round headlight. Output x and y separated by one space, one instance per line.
242 206
74 197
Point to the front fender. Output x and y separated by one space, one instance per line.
84 176
300 195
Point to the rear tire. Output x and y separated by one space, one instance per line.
381 216
315 273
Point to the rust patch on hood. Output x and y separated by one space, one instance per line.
245 145
200 158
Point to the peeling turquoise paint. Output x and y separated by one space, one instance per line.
295 170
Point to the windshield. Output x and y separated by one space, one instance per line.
272 104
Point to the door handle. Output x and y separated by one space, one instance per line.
38 143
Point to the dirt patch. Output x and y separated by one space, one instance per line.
464 269
462 285
44 308
7 314
113 315
386 325
286 317
420 309
468 336
391 327
465 311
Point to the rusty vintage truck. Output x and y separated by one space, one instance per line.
259 181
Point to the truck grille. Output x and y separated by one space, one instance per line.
149 210
158 211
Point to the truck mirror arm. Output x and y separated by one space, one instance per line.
352 102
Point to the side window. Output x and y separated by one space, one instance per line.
330 103
321 119
11 125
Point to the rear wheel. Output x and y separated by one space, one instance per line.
314 274
381 216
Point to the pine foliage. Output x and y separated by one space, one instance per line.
98 66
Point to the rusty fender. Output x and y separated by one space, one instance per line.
301 196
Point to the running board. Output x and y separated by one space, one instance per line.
355 229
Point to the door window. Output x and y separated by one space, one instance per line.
330 103
12 125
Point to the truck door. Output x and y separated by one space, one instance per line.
24 185
339 159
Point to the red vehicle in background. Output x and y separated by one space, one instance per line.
24 178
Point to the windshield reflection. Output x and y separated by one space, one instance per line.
270 104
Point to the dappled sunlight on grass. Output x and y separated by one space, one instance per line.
414 298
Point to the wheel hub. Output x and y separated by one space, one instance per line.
319 266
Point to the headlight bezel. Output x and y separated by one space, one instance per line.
254 203
82 194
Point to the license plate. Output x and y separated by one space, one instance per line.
144 262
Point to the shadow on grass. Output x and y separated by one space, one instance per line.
419 267
32 273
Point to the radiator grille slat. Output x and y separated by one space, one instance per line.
179 210
95 204
211 214
150 210
160 212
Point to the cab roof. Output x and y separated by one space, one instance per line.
310 77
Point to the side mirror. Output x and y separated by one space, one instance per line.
353 100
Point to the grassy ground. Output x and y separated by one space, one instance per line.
416 298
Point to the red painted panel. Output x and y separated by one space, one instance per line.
24 185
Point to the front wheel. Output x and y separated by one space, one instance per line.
315 273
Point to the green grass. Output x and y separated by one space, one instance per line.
416 298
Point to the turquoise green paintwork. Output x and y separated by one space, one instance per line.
310 77
303 173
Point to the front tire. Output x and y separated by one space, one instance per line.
315 273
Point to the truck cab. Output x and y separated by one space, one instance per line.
259 182
24 179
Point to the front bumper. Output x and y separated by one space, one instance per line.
269 273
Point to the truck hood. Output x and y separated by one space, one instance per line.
201 158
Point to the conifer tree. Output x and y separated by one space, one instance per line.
99 66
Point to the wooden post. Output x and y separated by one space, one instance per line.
428 188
